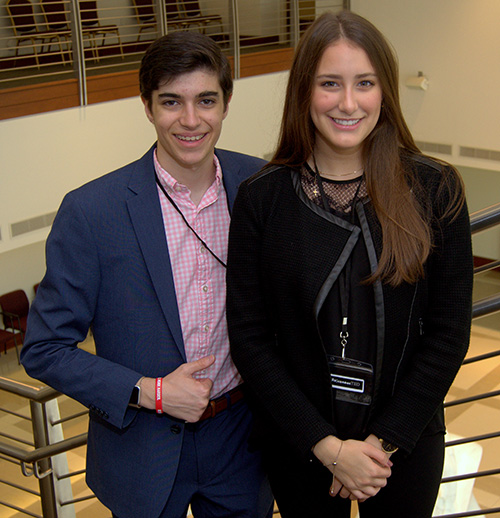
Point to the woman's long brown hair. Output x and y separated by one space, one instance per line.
406 232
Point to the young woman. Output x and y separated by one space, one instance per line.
349 288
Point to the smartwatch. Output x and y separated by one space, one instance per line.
135 397
388 447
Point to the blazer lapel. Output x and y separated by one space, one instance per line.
145 213
232 175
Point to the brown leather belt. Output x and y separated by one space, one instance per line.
216 406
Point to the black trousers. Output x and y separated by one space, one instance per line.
301 487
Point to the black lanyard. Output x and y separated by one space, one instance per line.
345 274
163 190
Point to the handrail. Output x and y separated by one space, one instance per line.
470 399
38 394
486 306
480 357
30 457
475 438
477 512
486 267
485 218
480 220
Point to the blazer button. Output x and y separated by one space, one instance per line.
175 429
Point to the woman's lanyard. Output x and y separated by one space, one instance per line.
345 274
163 190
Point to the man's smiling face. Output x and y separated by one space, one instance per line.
187 114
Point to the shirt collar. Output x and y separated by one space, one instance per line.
172 185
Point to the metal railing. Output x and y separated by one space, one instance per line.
71 39
482 220
54 493
45 459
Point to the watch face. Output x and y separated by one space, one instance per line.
134 398
388 447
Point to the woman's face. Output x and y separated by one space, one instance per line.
346 99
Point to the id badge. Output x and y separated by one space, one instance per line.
351 379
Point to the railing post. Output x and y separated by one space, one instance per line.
294 23
62 484
162 16
47 493
234 36
78 52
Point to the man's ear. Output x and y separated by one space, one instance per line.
227 107
147 109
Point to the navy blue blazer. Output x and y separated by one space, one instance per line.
108 269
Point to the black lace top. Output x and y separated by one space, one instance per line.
349 418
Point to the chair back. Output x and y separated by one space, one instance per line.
15 302
88 13
54 13
171 8
144 10
191 7
21 16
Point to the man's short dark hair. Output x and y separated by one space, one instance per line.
179 53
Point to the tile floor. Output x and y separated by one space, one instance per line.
463 421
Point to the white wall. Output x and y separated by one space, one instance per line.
44 156
456 43
483 190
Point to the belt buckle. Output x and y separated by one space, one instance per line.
211 405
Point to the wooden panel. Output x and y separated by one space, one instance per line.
38 98
44 97
265 62
481 261
110 87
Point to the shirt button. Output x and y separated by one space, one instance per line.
205 288
202 249
178 188
175 429
206 328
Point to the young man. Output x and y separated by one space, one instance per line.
138 255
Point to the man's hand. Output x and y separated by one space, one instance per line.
183 396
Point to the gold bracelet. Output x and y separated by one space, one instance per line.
334 464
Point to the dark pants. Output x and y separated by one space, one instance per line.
301 487
217 473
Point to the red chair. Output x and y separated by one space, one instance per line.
54 13
193 13
174 17
25 29
146 16
7 337
92 28
15 307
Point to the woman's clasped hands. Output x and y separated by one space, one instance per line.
360 468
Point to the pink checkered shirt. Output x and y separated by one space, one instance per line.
200 280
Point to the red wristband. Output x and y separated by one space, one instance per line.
159 383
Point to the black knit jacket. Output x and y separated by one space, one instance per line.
284 255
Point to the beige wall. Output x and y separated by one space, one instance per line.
44 156
456 43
